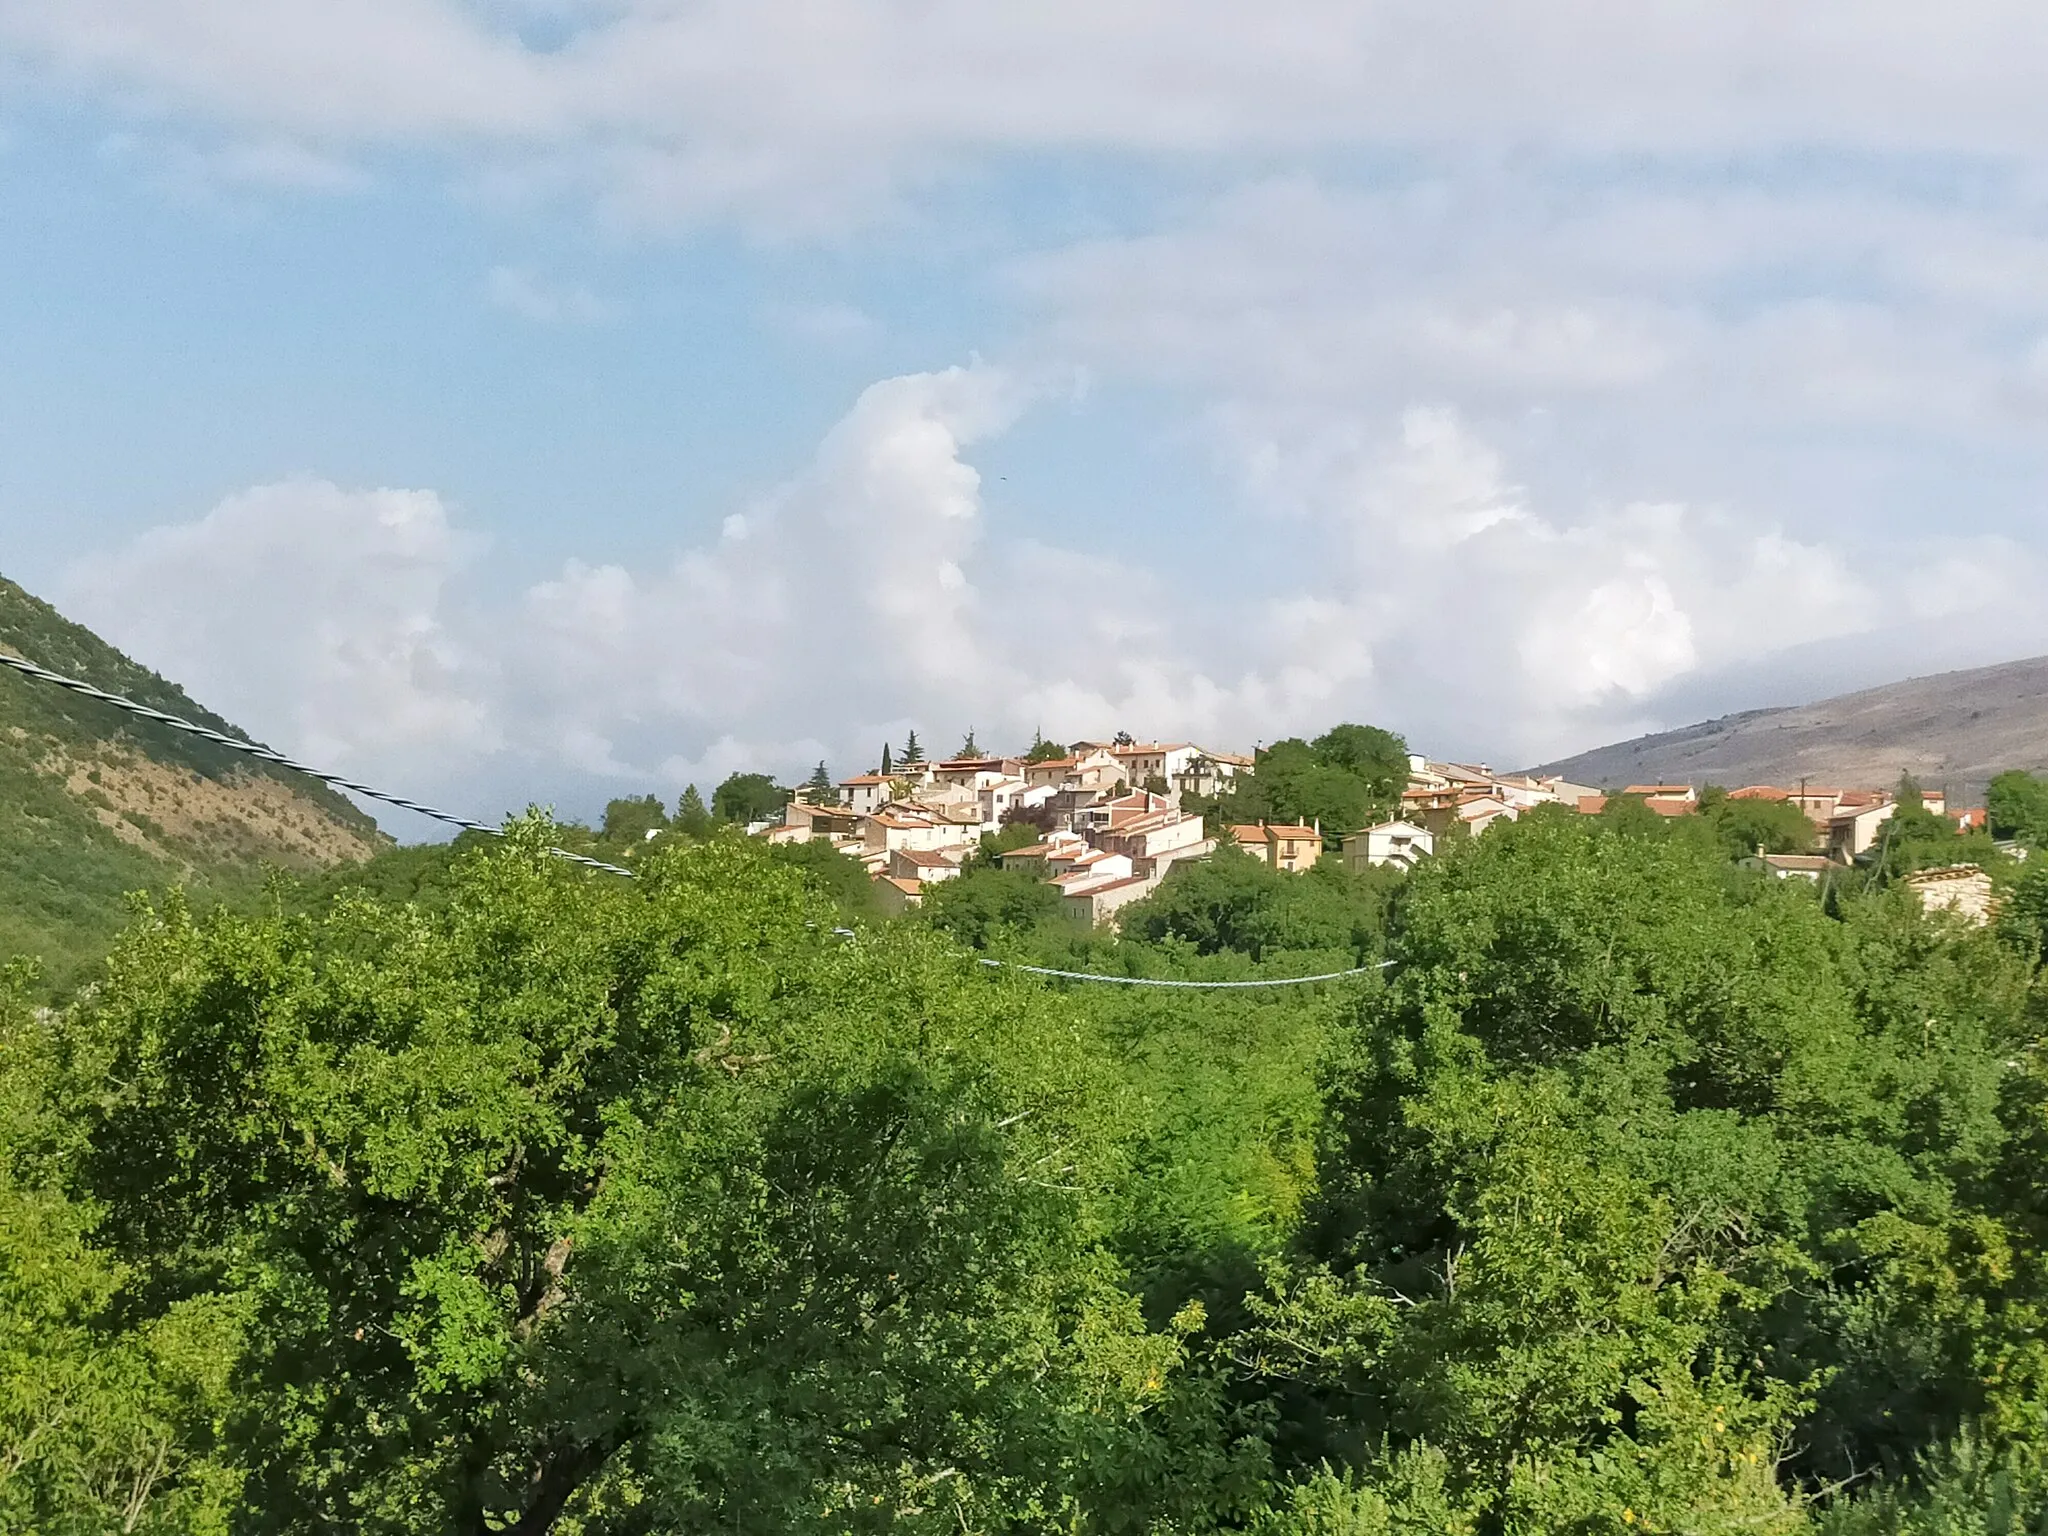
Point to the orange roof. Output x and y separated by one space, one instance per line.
1647 790
1592 805
1273 832
922 858
865 778
1759 792
1673 807
904 884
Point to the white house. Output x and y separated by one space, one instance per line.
1400 843
866 793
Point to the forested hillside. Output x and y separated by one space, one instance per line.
479 1192
95 803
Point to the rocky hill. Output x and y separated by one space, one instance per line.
95 803
1955 731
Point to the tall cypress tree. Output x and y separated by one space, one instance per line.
887 766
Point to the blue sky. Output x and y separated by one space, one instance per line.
550 399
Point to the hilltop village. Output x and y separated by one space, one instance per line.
1105 822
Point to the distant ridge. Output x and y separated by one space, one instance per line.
1954 730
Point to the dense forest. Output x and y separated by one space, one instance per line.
468 1190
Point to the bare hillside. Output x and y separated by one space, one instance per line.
1954 730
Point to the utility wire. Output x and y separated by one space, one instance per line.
1151 981
256 750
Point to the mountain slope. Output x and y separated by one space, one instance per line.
95 803
1955 730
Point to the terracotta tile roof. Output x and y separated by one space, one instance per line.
1663 790
923 858
1759 792
865 778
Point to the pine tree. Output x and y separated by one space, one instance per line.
888 767
970 747
692 817
913 754
818 788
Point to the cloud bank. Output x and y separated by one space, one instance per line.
869 594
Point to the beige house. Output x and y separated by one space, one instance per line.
1098 903
1683 792
1162 760
1852 829
1963 889
1292 848
977 773
1400 843
925 866
1158 837
896 896
802 821
895 828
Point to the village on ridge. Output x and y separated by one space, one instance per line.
1110 824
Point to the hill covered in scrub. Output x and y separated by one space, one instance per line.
1955 731
95 803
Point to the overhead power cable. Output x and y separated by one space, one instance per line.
265 754
1154 981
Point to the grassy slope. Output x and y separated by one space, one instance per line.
95 804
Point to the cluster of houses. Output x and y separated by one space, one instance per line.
1110 826
1847 824
1107 814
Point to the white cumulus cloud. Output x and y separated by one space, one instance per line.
868 594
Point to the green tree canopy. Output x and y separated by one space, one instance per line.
1349 777
636 1204
982 904
691 816
912 754
1747 827
2017 806
630 820
748 797
819 789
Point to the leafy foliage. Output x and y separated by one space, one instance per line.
473 1191
2017 806
748 797
1349 777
